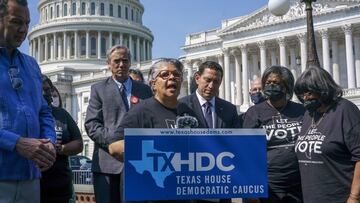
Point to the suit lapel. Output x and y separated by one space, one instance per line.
112 90
195 105
218 111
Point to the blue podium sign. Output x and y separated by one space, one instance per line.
174 164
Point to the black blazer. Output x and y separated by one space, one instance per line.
225 112
103 116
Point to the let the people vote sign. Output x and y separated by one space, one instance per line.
173 164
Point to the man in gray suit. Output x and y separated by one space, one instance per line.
109 101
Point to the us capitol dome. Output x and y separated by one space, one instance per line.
70 42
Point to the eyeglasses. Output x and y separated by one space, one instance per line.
16 81
164 74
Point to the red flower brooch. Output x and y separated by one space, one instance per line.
134 100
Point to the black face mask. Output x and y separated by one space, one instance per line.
257 98
312 104
274 92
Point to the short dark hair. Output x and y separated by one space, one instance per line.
287 79
4 5
319 81
211 65
46 79
137 72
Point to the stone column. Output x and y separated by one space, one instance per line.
99 45
68 47
263 65
46 48
148 51
121 38
97 8
56 50
39 49
61 10
357 59
60 46
325 49
143 51
237 57
293 62
188 67
282 46
131 47
110 39
227 74
65 45
335 60
77 10
76 44
349 56
245 82
303 50
33 48
33 52
87 46
138 50
30 48
273 57
53 57
220 59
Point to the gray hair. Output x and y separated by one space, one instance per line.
114 48
154 70
4 3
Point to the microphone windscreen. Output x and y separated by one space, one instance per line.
187 121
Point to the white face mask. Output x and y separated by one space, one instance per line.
55 102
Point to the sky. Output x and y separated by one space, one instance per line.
172 20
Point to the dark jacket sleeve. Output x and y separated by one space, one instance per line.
235 118
94 121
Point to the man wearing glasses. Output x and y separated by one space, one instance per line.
26 125
110 99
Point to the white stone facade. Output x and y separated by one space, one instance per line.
70 43
246 45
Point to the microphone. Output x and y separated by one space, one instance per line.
186 121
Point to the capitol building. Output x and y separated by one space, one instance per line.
72 36
246 45
70 42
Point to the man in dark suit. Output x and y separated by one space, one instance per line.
109 101
211 111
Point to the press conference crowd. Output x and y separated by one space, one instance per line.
313 146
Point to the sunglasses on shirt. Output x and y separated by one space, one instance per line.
16 81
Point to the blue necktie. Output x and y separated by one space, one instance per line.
208 114
123 96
